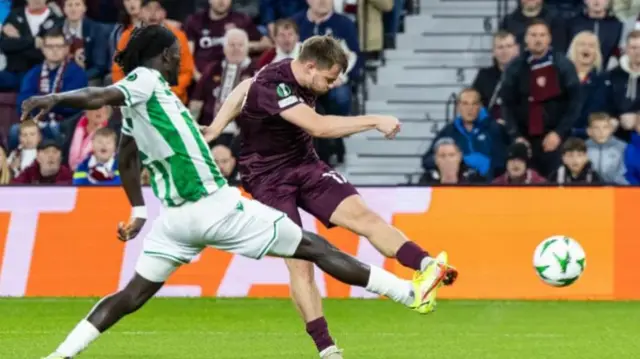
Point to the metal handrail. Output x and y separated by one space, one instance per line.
450 108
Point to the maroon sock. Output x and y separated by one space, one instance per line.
319 332
411 255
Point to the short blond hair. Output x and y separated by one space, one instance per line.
572 52
325 51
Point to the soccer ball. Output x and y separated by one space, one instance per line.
559 261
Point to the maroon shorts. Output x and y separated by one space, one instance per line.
314 187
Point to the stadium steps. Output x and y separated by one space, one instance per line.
439 53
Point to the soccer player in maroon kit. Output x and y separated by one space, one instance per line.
280 168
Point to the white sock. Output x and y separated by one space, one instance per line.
384 283
425 263
78 340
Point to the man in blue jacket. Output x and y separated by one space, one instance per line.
597 19
274 10
478 136
320 19
55 74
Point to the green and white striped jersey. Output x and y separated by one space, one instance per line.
171 146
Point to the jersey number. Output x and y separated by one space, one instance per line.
335 176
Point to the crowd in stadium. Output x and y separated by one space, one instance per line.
559 105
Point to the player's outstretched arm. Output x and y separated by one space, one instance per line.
88 98
229 110
129 165
330 126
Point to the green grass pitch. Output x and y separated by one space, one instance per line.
368 329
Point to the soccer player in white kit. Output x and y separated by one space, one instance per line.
200 209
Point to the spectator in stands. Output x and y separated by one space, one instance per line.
534 11
145 177
476 134
250 8
20 40
227 162
23 156
628 11
206 29
576 167
370 26
273 10
585 54
287 39
320 19
392 21
48 167
5 172
101 167
79 133
220 79
87 41
518 171
488 79
540 98
449 168
597 19
129 18
606 152
623 96
632 158
153 13
56 74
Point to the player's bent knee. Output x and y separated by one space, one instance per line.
287 238
155 269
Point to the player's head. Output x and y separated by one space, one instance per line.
152 46
323 60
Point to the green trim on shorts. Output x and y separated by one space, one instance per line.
273 238
167 256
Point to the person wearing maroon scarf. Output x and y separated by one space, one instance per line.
540 98
48 167
219 79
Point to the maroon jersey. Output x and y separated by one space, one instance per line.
269 142
207 35
217 81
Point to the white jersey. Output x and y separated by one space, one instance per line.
171 146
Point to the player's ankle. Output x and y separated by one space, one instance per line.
411 255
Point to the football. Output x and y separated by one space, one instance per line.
559 261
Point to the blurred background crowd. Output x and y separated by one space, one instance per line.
558 104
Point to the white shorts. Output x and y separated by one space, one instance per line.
224 220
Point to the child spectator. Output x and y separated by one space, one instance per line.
606 152
5 171
585 54
26 153
79 138
632 158
576 167
20 40
48 167
101 167
87 39
518 171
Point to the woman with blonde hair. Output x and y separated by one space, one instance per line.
585 54
5 171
